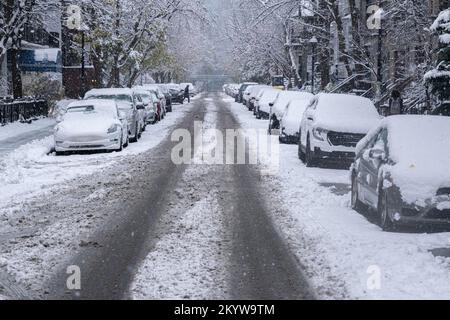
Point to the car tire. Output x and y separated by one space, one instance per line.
357 205
385 220
136 134
127 143
121 144
309 156
301 154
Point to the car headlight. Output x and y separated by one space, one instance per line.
113 128
320 134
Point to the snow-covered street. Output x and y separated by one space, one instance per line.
139 226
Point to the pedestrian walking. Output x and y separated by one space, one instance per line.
395 104
187 94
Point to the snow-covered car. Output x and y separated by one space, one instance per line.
279 106
402 171
150 101
127 102
253 94
246 95
167 95
242 88
265 101
91 125
290 121
161 99
332 126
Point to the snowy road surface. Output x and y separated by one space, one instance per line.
139 226
15 135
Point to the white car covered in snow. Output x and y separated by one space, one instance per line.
127 102
290 121
254 92
265 101
91 125
332 126
278 109
402 171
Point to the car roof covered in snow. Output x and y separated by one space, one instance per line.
92 102
345 113
110 91
287 96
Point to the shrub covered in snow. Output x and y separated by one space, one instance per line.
47 86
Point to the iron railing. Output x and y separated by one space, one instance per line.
23 109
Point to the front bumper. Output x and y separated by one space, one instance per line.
429 214
110 143
324 150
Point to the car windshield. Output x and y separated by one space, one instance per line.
124 101
412 138
75 111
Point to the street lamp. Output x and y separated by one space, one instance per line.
313 43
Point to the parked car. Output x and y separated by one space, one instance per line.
127 102
265 102
402 171
442 110
290 121
242 88
278 109
246 96
150 101
192 88
91 125
161 99
167 96
332 125
176 92
254 94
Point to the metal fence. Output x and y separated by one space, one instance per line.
15 110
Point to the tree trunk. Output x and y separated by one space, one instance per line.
343 52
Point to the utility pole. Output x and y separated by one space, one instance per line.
378 93
313 42
83 66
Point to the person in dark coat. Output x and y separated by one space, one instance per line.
395 104
186 94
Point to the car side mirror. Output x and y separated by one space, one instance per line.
271 104
140 106
377 154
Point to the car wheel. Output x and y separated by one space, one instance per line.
127 143
357 205
301 154
120 145
385 221
309 157
136 134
